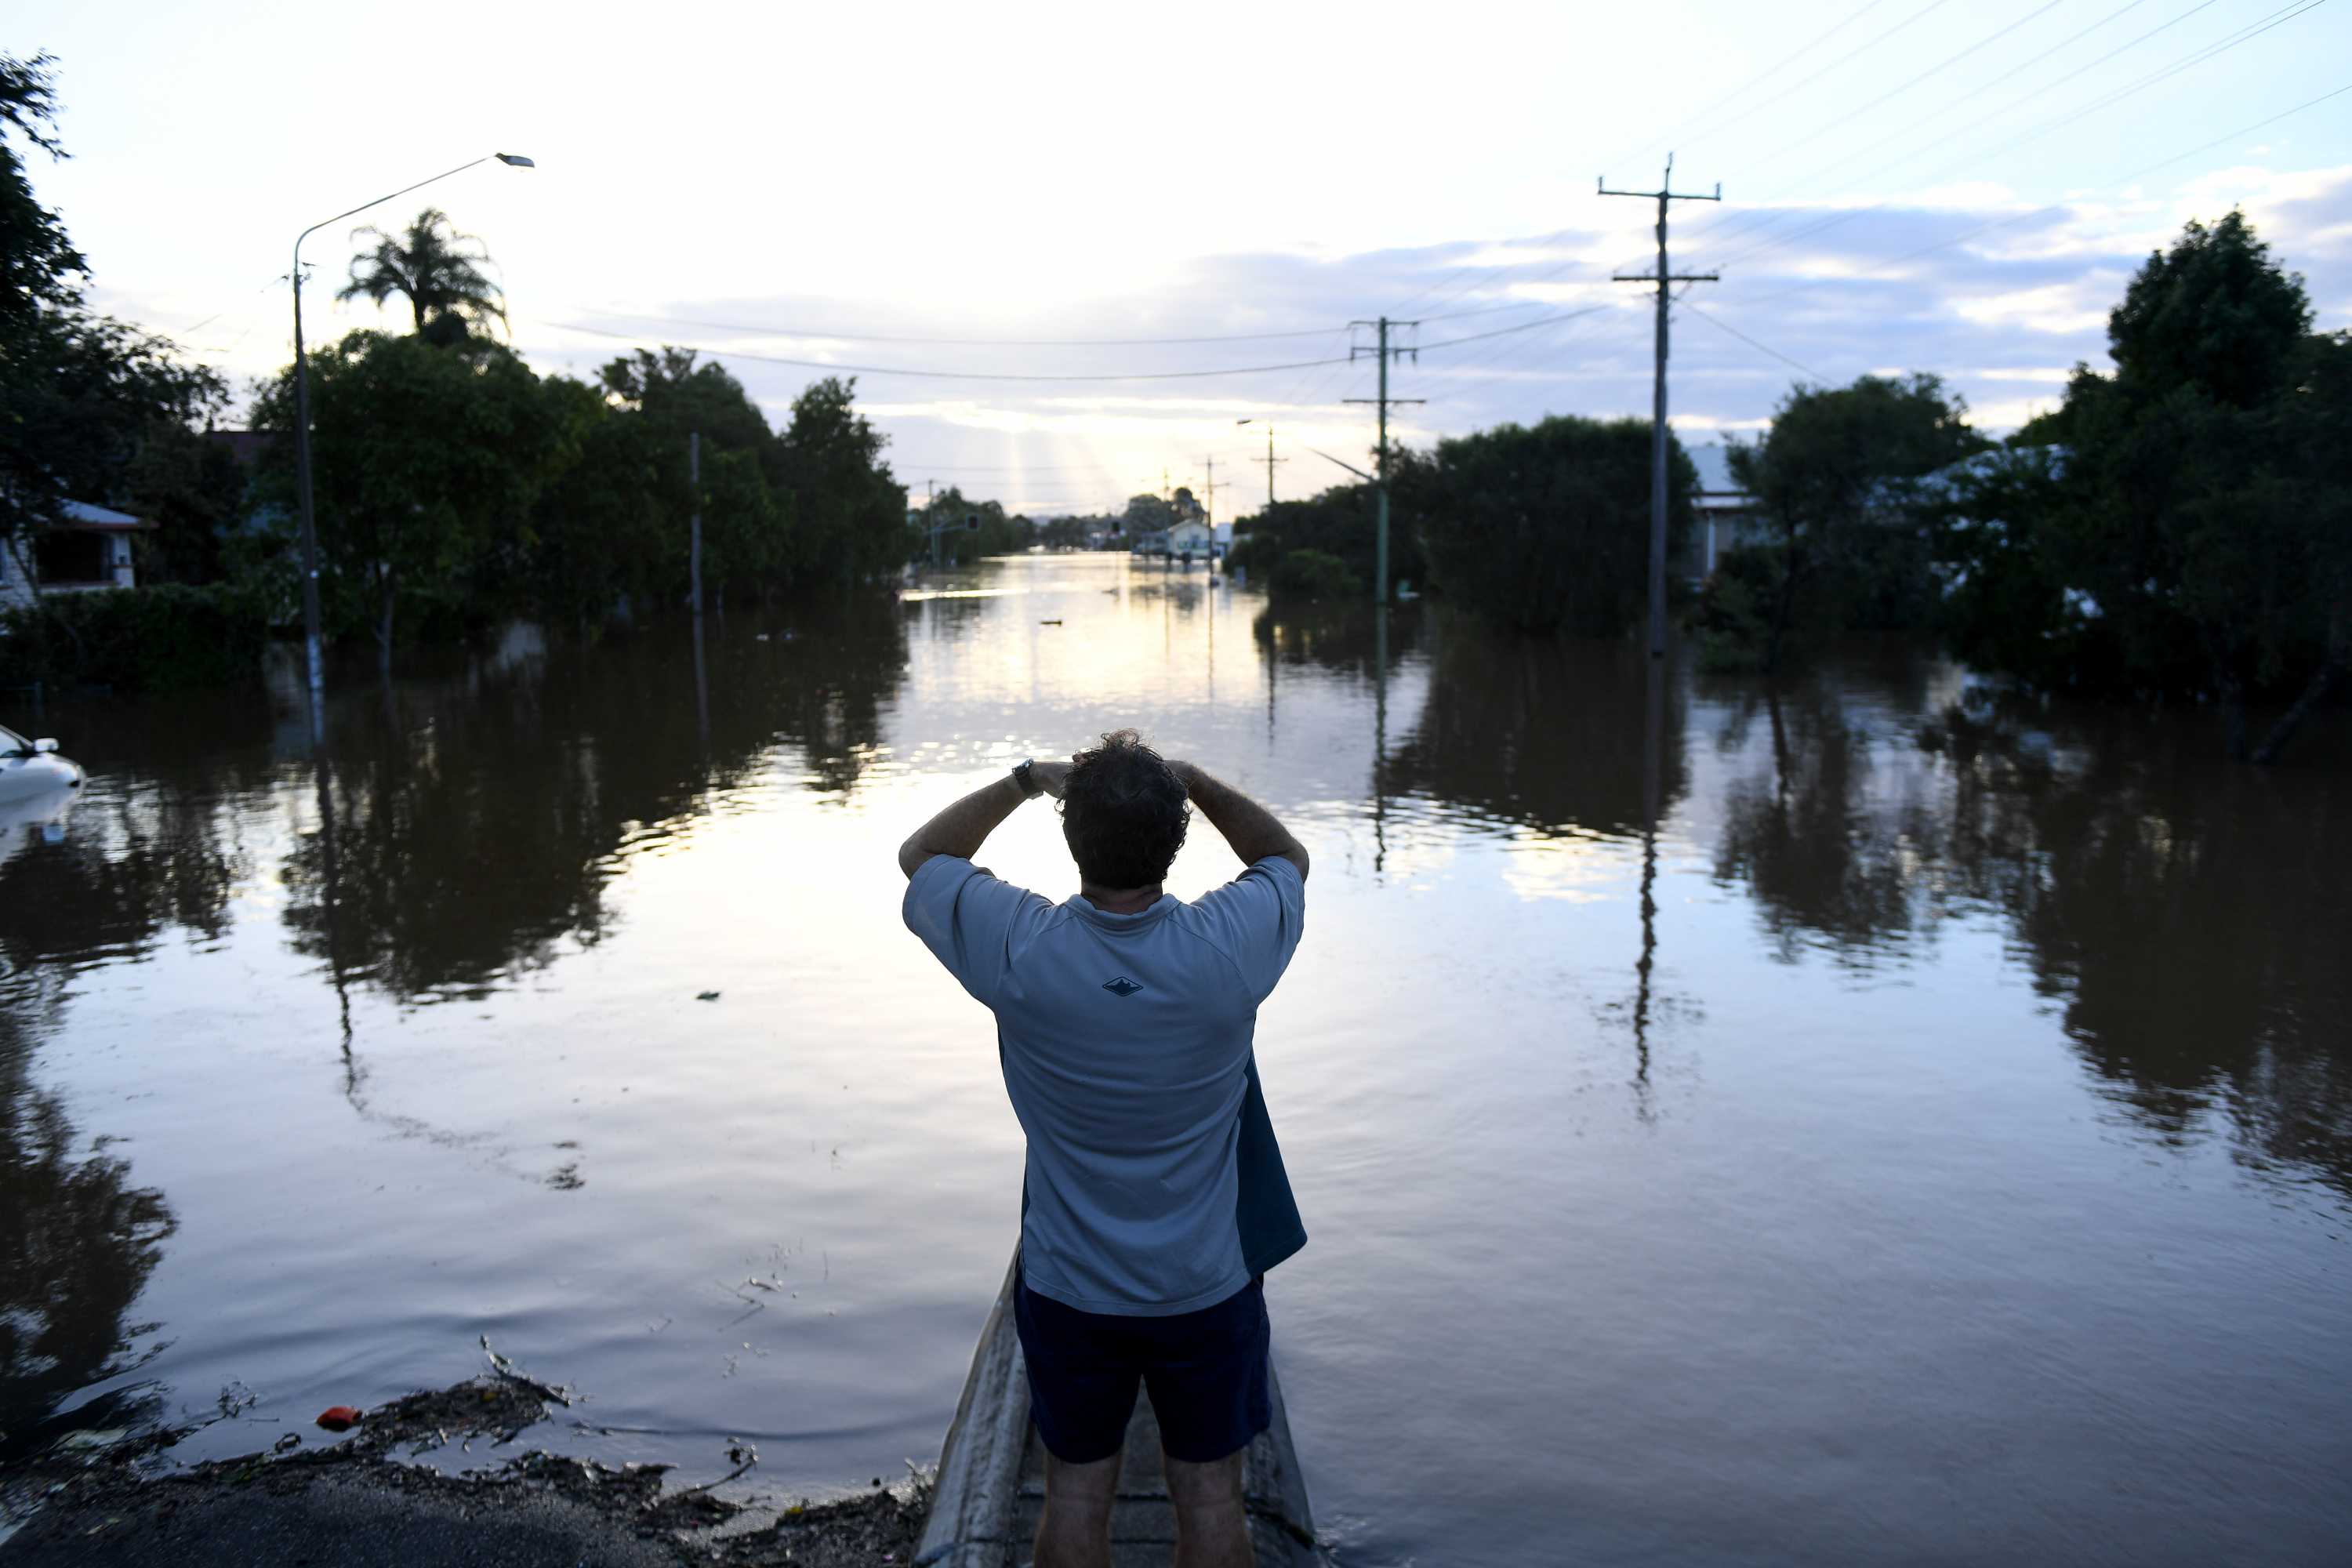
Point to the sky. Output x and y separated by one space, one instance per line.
1956 186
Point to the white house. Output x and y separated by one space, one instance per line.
1190 538
88 547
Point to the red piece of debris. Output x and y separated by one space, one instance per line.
339 1418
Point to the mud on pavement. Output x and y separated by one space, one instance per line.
357 1504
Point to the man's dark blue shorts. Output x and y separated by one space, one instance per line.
1206 1372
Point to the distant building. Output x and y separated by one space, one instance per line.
1190 539
88 547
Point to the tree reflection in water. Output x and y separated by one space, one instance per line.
76 1243
1543 732
2186 918
77 1240
2190 917
477 821
1830 835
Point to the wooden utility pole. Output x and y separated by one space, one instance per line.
1380 465
693 527
1663 195
1270 462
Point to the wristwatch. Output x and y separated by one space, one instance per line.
1024 773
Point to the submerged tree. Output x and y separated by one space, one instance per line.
1835 484
2192 536
436 270
424 455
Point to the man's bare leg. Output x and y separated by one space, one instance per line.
1074 1531
1211 1525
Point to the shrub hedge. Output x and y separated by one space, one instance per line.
160 639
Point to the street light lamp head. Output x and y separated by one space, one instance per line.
1244 421
517 159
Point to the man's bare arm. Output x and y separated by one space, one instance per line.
1252 830
963 827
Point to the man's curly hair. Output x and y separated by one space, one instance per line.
1123 813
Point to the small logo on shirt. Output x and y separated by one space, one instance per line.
1121 986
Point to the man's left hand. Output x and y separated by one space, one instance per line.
1051 777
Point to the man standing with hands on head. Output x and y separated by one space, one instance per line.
1155 1199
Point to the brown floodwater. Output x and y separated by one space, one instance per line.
1851 1122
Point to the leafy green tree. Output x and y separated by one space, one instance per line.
436 270
2197 537
1150 513
38 264
746 523
82 398
848 512
604 533
996 534
1836 483
1340 523
425 458
1545 526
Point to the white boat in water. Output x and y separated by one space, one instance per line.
29 769
992 1476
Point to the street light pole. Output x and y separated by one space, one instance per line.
314 673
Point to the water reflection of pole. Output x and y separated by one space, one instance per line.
1379 734
330 867
1273 663
701 694
1653 718
1211 613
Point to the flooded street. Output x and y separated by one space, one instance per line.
1848 1124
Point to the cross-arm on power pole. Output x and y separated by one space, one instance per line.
1663 276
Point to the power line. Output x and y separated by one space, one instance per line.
822 335
1011 468
1751 342
1920 14
2037 212
952 375
1943 65
1723 104
2196 57
1754 222
1520 327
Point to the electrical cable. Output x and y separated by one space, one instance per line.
1505 331
1729 228
2037 212
952 375
1751 342
1684 131
814 335
2198 56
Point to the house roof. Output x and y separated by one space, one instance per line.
1714 464
81 514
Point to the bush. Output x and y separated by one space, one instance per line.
1546 527
1342 523
160 639
1732 620
1313 574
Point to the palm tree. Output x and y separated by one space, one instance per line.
430 263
